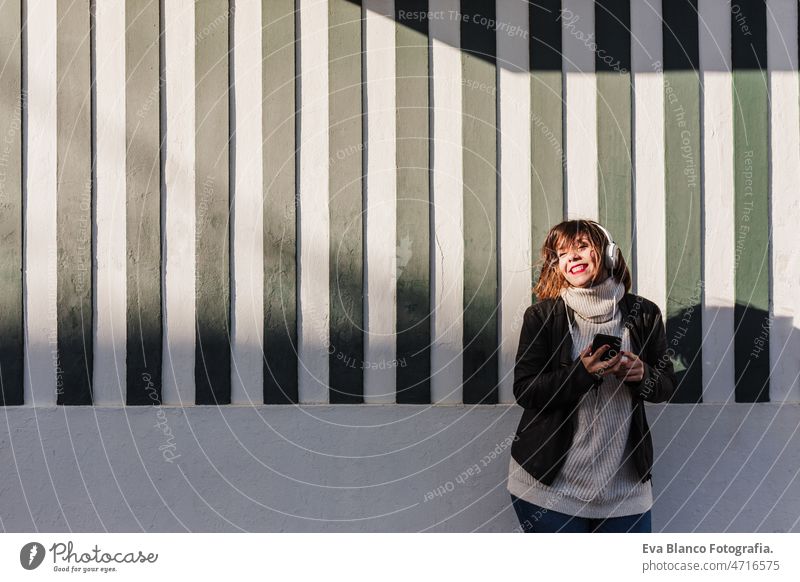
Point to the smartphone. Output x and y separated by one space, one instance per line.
615 342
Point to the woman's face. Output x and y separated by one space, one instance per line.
578 263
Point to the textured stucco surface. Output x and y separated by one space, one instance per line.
362 468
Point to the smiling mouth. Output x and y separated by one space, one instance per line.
578 269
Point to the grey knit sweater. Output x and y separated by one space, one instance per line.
598 478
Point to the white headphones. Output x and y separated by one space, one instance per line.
610 251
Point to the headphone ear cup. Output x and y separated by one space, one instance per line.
611 256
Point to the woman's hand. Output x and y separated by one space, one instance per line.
593 363
629 369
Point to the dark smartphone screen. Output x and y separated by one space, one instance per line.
615 342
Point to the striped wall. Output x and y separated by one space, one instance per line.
306 201
11 338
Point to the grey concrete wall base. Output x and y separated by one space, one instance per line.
362 468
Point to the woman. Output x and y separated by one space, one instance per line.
582 455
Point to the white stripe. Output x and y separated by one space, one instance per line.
577 24
40 205
784 337
179 224
447 249
718 200
514 87
381 219
247 305
108 386
649 191
313 233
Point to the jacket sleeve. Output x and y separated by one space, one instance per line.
536 389
658 383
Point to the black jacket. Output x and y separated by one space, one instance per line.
548 384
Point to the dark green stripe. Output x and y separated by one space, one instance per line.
11 332
413 207
751 186
480 366
683 195
547 143
613 65
74 206
212 350
346 350
143 218
280 226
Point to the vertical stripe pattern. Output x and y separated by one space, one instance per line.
580 114
683 194
212 352
74 209
479 114
648 152
247 205
11 339
448 204
275 203
380 201
751 187
143 207
280 209
314 220
783 58
718 226
413 329
547 143
514 201
613 66
110 298
179 211
40 227
346 249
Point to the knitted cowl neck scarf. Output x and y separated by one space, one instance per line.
597 303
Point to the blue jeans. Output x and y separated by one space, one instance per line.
535 519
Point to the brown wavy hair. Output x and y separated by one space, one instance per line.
566 233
